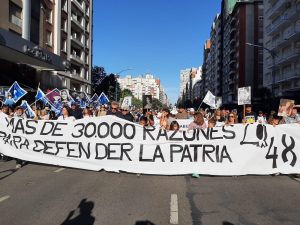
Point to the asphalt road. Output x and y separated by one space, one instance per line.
40 194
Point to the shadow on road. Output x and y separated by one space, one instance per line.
11 171
227 223
84 218
144 223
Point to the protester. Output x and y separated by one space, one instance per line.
261 118
19 112
86 113
164 119
66 114
44 115
250 116
126 115
231 119
114 110
181 114
143 121
102 111
198 122
212 123
293 118
52 115
276 120
174 125
5 109
76 111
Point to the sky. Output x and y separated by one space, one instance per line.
160 37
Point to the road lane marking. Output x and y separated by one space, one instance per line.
59 170
174 209
2 199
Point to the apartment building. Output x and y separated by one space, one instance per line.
142 85
213 76
242 64
46 43
282 39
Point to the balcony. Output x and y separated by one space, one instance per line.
288 76
276 9
77 41
76 59
16 20
75 20
283 20
78 4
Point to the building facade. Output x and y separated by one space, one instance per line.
143 85
242 64
213 76
282 39
46 43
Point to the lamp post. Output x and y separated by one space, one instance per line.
117 75
273 55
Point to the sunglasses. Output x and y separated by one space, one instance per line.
124 109
230 116
114 108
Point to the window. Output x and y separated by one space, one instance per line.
15 14
49 38
48 15
64 45
64 25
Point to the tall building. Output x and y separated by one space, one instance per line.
214 58
205 68
242 64
184 78
282 39
142 85
41 41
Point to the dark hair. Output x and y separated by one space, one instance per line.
68 109
173 123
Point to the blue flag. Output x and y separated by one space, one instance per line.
94 101
28 110
103 99
40 96
16 92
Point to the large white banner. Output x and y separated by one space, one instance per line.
114 144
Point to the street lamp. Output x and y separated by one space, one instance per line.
273 55
117 75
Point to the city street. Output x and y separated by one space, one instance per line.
42 194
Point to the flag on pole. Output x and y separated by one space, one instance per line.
54 101
40 96
103 99
16 92
94 101
210 99
28 110
127 102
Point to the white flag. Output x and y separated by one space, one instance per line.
210 99
127 101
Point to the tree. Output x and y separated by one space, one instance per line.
156 104
101 82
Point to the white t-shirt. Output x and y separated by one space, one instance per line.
69 118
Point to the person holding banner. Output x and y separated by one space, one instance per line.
102 111
250 116
198 122
126 115
114 110
66 114
231 119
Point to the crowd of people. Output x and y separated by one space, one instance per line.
163 119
